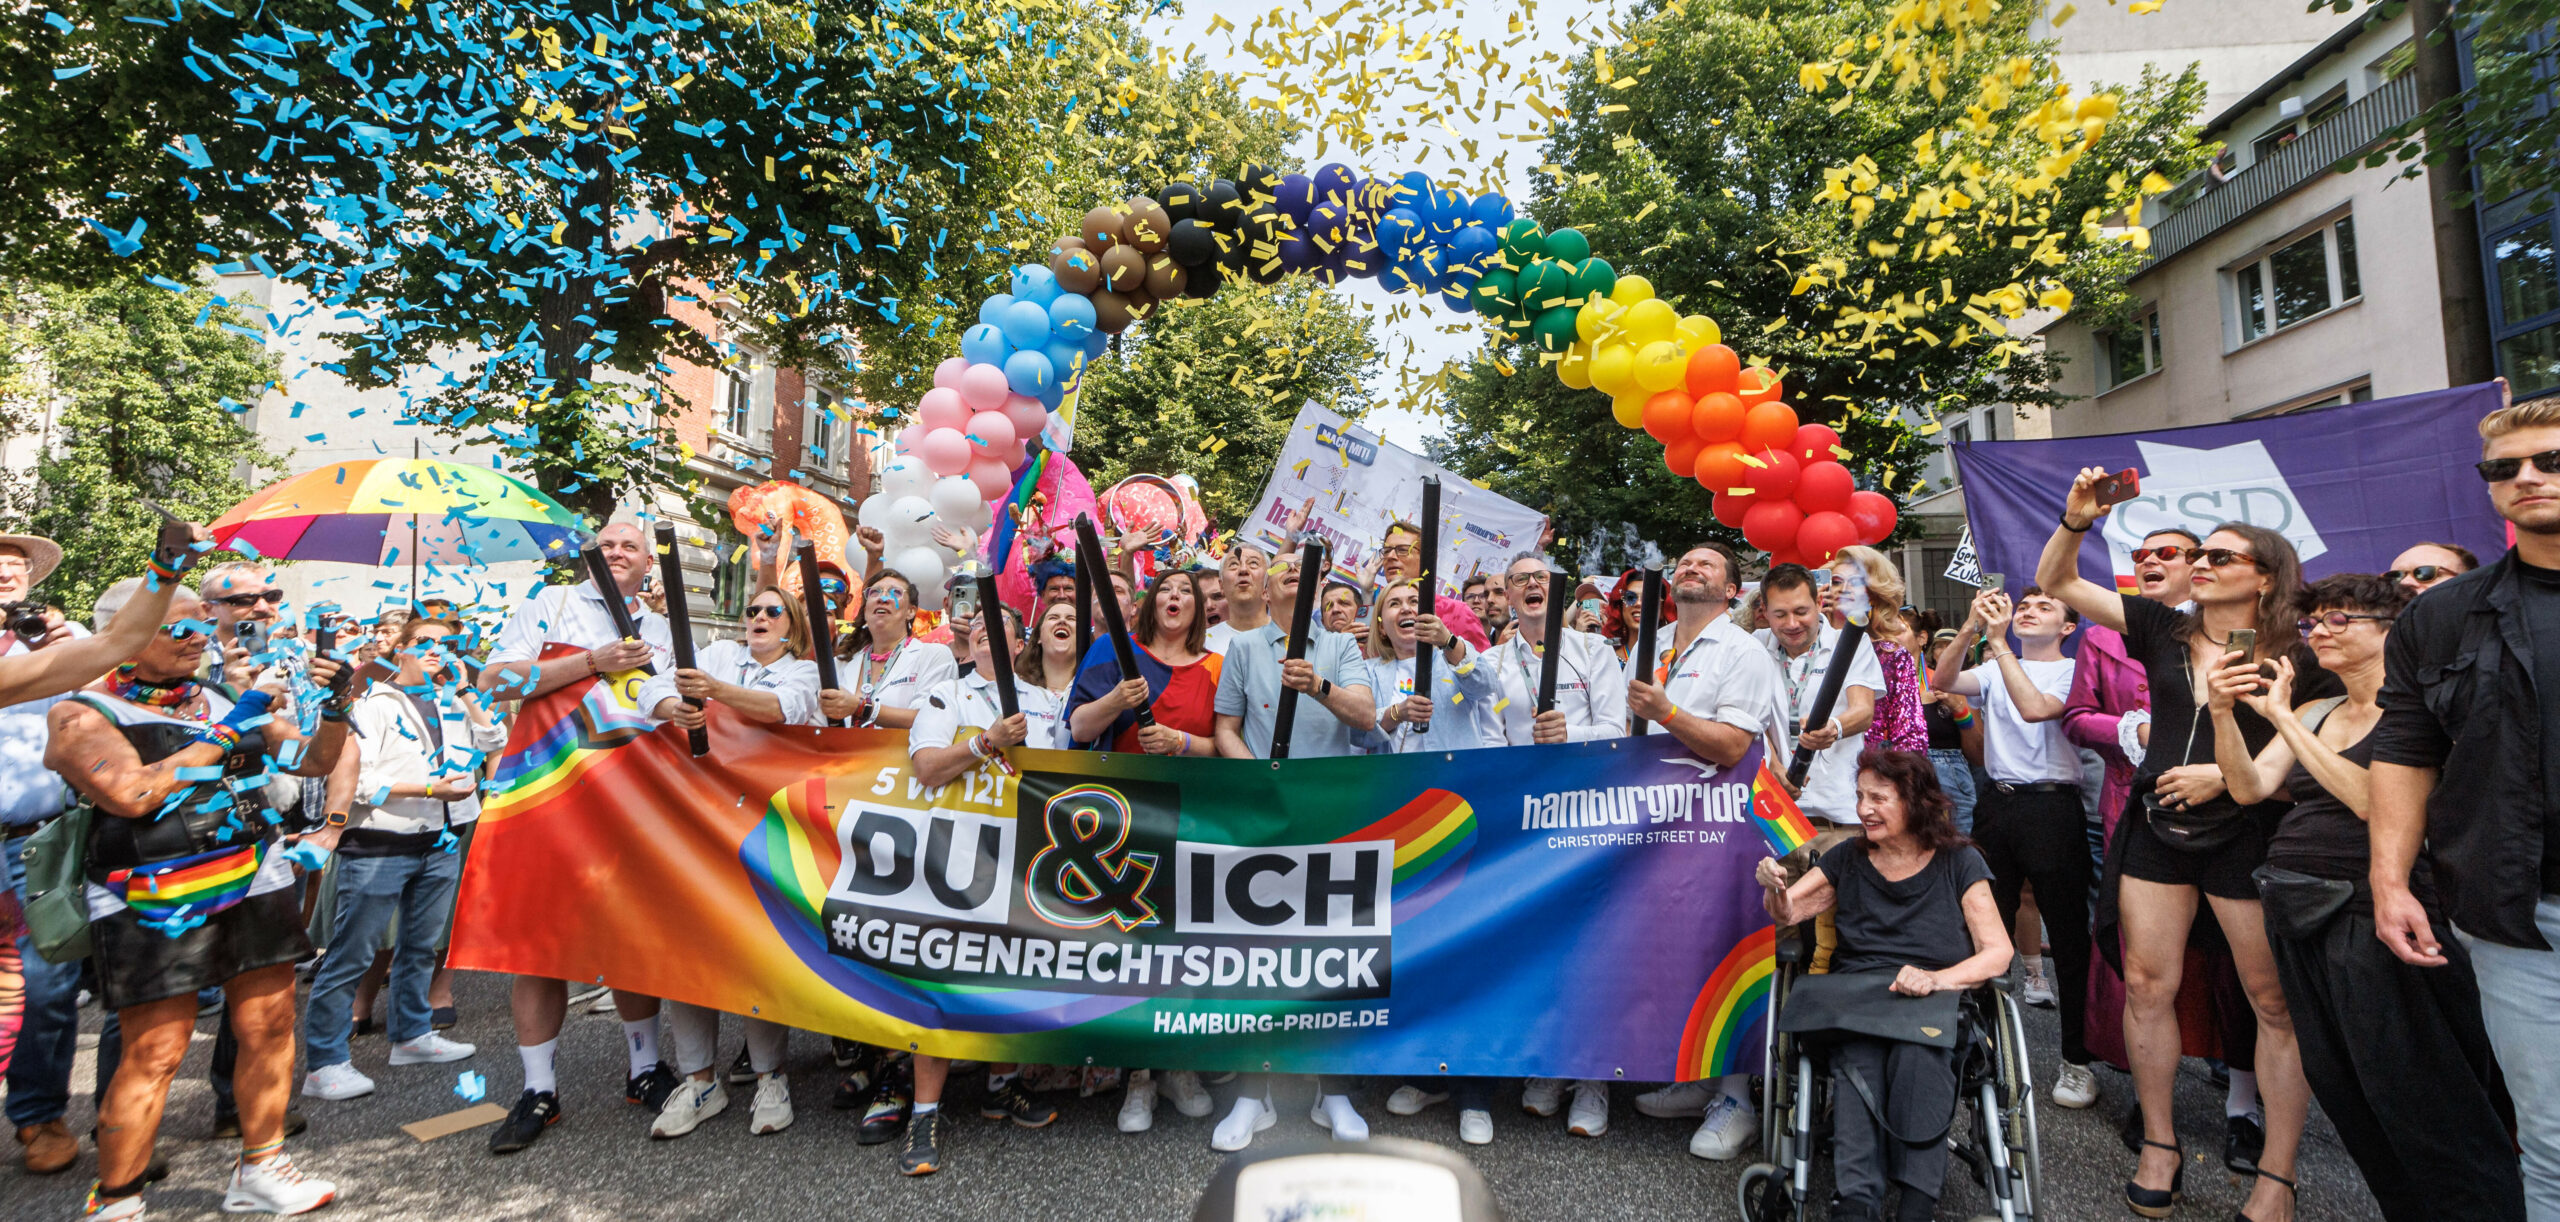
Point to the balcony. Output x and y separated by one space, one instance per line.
2273 177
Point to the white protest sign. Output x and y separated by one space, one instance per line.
1360 484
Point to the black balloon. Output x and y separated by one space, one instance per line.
1259 183
1181 201
1223 206
1192 243
1203 282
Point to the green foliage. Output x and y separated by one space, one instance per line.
2506 117
126 394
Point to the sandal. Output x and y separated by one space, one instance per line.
2289 1186
2154 1202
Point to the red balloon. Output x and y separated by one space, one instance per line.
1824 487
1816 443
1771 525
1681 455
1666 416
1714 369
1770 426
1823 535
1759 384
1717 417
1873 513
1720 467
1786 555
1729 509
1776 476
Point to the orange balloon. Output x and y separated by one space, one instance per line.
1758 385
1681 454
1714 369
1666 416
1769 426
1717 417
1719 467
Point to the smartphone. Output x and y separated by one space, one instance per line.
251 635
2118 488
1995 581
2245 640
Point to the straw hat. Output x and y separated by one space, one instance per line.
43 555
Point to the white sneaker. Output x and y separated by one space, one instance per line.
1538 1096
2075 1086
1250 1116
772 1112
1335 1112
1731 1127
335 1082
275 1187
430 1049
1138 1109
688 1105
1590 1116
1475 1127
1408 1100
1678 1100
1189 1097
2037 989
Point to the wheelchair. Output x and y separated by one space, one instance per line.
1994 1133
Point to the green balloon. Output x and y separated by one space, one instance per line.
1568 245
1544 282
1497 295
1594 276
1555 329
1522 242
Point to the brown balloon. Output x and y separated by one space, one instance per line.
1148 226
1101 228
1142 304
1166 278
1078 270
1110 312
1123 268
1069 242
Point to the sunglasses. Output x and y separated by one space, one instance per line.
246 601
2423 573
2168 554
2500 470
2223 558
772 612
2337 621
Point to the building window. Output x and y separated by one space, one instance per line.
739 384
2305 277
822 434
2131 351
2525 262
732 569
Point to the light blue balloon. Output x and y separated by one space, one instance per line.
1071 316
985 344
1029 373
1052 397
1035 284
1063 357
1025 324
992 309
1095 343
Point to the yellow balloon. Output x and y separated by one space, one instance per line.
1596 315
1697 331
1629 408
1613 369
1575 369
1650 321
1630 290
1660 366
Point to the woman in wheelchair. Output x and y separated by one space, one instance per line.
1912 901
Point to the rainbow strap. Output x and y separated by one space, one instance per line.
197 886
1780 820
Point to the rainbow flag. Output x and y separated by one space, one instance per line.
1780 821
196 886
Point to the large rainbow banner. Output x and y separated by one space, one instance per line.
1583 910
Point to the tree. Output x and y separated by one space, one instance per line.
130 398
1734 185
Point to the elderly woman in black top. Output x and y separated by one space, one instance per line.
2379 1037
1913 897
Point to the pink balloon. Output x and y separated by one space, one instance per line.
983 388
1014 455
945 452
946 375
992 477
1027 415
942 408
910 437
991 434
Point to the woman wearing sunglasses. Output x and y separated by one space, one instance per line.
768 677
890 672
2192 838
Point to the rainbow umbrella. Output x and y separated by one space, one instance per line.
401 511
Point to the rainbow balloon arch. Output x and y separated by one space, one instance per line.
998 421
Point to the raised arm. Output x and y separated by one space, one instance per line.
2058 570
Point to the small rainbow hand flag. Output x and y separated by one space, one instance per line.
1780 821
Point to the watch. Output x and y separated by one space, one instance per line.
335 818
1324 689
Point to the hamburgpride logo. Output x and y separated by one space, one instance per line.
2198 490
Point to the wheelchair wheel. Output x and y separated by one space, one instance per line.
1764 1195
2018 1107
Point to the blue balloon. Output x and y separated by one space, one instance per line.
985 344
1490 211
1297 254
1448 211
1459 298
1029 373
1335 181
1297 196
1329 225
1071 316
992 309
1053 396
1035 284
1362 259
1095 342
1063 357
1472 246
1026 324
1398 231
1411 191
1402 274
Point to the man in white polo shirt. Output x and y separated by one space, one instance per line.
565 635
1591 683
1803 647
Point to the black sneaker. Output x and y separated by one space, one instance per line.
534 1112
849 1053
923 1155
2242 1142
650 1090
887 1111
742 1070
1015 1103
226 1125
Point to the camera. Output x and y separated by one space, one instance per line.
25 619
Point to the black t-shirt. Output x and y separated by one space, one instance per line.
2151 638
2542 618
2320 836
1944 733
1918 921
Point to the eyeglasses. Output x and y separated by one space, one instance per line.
2337 621
1526 581
246 601
1401 549
2422 574
2168 554
2223 558
2500 470
762 611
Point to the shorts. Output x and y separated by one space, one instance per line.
2222 873
137 964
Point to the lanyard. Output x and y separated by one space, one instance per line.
1795 682
870 682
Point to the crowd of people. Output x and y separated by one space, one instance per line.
2270 796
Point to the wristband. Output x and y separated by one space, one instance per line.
222 735
162 572
1836 731
978 746
247 709
2077 530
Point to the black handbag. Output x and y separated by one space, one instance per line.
2297 905
1864 1003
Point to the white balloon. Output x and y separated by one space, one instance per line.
874 512
923 566
954 497
906 476
911 523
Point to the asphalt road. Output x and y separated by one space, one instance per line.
600 1164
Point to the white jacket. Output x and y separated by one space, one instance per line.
395 748
794 681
